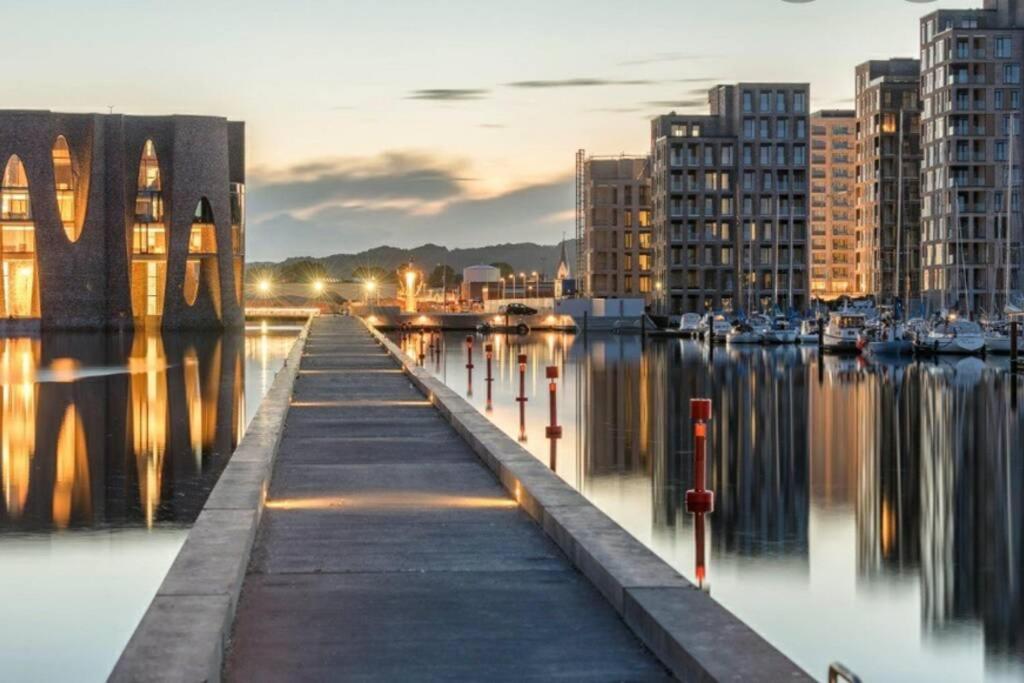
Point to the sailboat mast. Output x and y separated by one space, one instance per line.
775 259
899 205
1009 216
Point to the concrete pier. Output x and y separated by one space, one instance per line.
388 551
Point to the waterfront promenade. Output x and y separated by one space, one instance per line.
388 551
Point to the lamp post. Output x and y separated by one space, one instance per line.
536 283
502 286
370 287
263 286
523 275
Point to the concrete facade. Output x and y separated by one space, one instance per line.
833 170
77 233
971 89
617 227
888 104
730 200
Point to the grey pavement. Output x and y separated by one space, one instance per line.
388 551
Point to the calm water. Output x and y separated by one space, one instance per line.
109 446
865 512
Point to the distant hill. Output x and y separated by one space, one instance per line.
522 256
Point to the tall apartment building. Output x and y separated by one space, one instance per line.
617 227
729 198
971 89
833 228
888 105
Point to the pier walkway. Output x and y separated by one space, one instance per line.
388 551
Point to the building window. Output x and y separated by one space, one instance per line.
764 102
800 102
1003 47
780 102
1011 74
17 244
65 182
748 102
149 238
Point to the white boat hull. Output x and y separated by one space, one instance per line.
781 336
836 343
745 338
959 346
1001 345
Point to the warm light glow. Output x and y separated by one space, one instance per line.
263 286
403 499
370 285
318 286
372 320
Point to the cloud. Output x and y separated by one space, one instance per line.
400 198
676 104
390 177
661 57
448 94
579 83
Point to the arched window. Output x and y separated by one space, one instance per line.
17 244
149 239
65 182
203 239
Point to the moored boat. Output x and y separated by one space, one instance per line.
952 336
843 331
744 333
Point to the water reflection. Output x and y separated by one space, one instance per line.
99 430
881 499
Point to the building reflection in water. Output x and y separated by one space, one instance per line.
920 461
106 431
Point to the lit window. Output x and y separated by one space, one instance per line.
65 183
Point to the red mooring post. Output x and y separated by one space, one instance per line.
522 397
469 365
489 354
700 570
699 499
553 431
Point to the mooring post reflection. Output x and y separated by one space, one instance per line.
99 429
887 490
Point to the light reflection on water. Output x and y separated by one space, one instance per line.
109 446
865 512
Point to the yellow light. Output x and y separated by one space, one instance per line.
24 271
372 320
522 274
657 286
405 499
423 320
263 286
370 285
318 286
551 320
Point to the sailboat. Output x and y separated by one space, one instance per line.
997 336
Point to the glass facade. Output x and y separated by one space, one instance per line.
19 278
149 239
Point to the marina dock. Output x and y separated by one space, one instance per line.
387 550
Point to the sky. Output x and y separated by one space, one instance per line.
455 122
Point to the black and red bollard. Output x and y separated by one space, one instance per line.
522 397
700 500
489 354
553 431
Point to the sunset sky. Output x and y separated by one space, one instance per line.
455 122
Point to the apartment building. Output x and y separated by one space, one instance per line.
617 227
729 194
833 228
971 92
888 211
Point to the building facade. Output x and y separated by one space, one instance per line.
971 91
833 231
730 201
888 198
122 221
617 227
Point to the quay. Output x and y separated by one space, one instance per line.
391 532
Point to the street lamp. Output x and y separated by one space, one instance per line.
318 286
536 282
523 275
371 287
263 286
